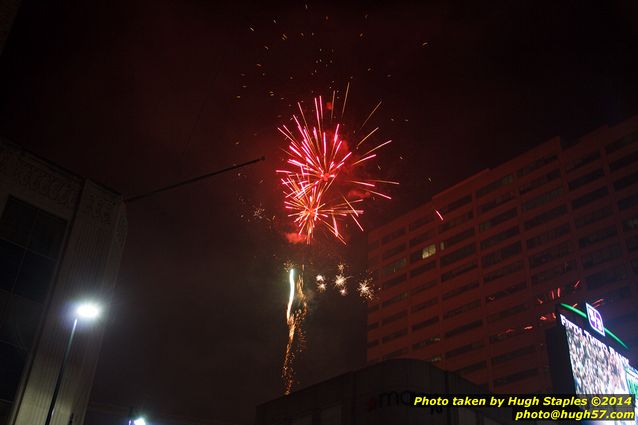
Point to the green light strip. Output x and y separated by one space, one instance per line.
607 331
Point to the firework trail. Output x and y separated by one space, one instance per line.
295 315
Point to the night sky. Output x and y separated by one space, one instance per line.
140 94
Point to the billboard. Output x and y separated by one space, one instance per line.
596 366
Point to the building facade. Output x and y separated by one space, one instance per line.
61 240
381 394
469 281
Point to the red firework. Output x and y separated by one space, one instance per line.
319 187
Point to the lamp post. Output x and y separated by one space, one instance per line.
87 311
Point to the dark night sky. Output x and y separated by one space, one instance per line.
139 94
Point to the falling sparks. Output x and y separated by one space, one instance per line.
439 214
320 185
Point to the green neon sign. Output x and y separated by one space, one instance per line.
583 314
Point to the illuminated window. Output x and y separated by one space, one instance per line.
424 253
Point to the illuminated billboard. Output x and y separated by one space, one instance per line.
596 366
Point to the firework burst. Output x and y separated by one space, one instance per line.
321 283
365 289
320 185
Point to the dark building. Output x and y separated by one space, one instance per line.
381 394
61 240
470 280
8 12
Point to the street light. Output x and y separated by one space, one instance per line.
139 421
84 311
